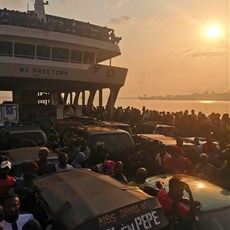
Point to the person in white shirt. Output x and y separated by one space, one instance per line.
62 164
13 219
160 157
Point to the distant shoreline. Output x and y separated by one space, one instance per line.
191 97
185 99
194 97
166 99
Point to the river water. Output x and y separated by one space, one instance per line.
206 107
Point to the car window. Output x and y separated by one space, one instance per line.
36 137
114 141
126 128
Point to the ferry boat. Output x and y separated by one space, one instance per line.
51 60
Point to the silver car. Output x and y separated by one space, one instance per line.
214 214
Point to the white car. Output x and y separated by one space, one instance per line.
214 213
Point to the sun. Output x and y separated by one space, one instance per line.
213 31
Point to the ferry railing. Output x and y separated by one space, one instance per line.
58 24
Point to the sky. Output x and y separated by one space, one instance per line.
170 47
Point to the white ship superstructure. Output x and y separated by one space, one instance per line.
54 60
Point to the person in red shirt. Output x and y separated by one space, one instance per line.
7 182
177 164
174 203
209 147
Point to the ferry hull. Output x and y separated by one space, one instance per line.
15 75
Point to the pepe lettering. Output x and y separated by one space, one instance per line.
143 222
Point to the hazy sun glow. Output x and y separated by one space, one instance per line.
213 31
207 102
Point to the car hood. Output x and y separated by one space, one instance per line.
19 155
97 201
211 196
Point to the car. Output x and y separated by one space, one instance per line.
143 127
118 125
154 127
81 199
19 135
167 130
20 155
85 120
62 126
190 149
214 212
166 140
118 142
202 140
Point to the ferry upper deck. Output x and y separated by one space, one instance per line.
57 56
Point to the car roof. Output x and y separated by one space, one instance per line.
115 123
25 130
21 126
144 124
168 141
86 203
19 155
165 126
148 122
100 129
82 119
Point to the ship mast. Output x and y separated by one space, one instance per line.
39 9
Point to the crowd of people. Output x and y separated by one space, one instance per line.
189 123
55 23
74 155
212 164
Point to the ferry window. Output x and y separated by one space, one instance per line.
76 56
89 58
43 52
59 54
6 48
24 50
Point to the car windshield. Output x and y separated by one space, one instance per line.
211 196
114 142
36 137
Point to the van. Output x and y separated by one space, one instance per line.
118 142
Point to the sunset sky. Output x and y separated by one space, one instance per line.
169 46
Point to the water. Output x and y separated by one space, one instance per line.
206 107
